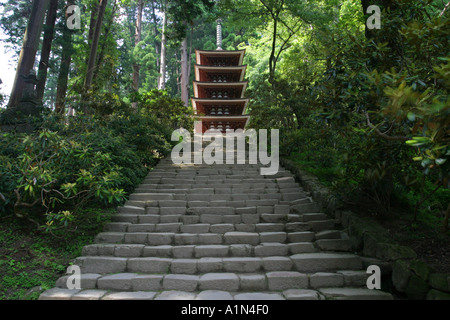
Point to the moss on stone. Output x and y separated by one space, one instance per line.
400 275
420 268
393 252
437 295
440 281
417 288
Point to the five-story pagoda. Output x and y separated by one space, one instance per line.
219 89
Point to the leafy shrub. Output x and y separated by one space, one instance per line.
169 111
147 137
70 162
53 172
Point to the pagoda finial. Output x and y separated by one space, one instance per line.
219 34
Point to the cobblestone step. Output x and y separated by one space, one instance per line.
251 282
289 294
227 238
302 262
199 251
249 223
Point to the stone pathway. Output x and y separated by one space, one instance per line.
218 232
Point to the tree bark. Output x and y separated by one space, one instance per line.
272 62
184 73
46 48
162 76
28 53
190 56
445 9
137 39
92 23
274 11
94 46
157 44
64 69
108 27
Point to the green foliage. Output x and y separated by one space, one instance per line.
32 261
82 159
169 111
14 22
51 170
182 13
347 104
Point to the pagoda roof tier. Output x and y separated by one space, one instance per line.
214 102
233 90
234 122
231 58
222 119
202 72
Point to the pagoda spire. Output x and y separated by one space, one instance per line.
219 34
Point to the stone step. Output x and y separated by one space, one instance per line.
302 262
318 226
227 238
324 262
264 249
289 294
122 221
179 227
213 179
211 196
305 208
230 181
354 294
231 185
96 294
334 244
152 196
133 206
328 234
229 281
182 189
275 197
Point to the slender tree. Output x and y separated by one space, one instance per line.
64 69
94 46
137 40
46 48
107 30
155 27
184 72
28 53
162 71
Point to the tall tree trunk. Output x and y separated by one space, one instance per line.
101 54
272 59
157 44
137 39
93 22
178 73
190 56
28 53
64 69
184 73
94 46
46 48
162 71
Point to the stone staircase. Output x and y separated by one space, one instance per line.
218 232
